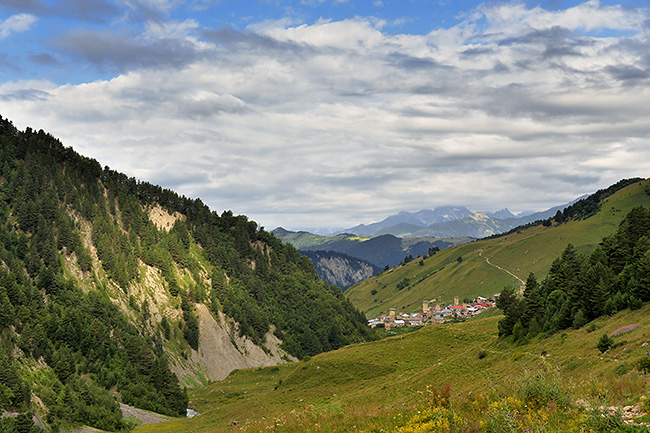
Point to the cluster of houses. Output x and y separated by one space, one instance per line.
431 315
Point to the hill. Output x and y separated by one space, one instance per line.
484 267
116 291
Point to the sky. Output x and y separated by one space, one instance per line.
313 114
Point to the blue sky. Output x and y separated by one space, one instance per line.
332 113
33 29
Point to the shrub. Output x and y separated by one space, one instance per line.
539 388
604 343
644 364
621 370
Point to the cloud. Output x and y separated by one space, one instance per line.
149 10
85 10
23 5
16 24
44 59
336 122
24 95
124 52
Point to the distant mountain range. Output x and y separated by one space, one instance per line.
451 221
420 219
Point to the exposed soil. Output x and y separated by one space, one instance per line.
142 416
221 350
163 219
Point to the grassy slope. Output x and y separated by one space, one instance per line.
307 240
351 387
531 250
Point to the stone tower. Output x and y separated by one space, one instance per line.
425 307
456 300
391 314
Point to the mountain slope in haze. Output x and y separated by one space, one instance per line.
501 214
488 265
422 218
476 225
112 289
340 269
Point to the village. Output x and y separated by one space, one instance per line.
433 315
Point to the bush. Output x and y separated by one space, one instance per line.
621 370
604 343
644 364
539 388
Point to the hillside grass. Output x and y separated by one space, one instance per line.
309 240
388 384
442 277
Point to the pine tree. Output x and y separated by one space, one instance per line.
534 303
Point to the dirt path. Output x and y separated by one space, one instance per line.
142 416
522 283
129 413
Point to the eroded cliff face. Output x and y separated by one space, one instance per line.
221 351
339 269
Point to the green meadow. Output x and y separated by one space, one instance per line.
463 368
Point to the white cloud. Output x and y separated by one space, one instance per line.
16 24
337 123
513 18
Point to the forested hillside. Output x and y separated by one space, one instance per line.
81 328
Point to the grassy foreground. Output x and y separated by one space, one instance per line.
447 378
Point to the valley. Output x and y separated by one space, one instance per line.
118 296
460 376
